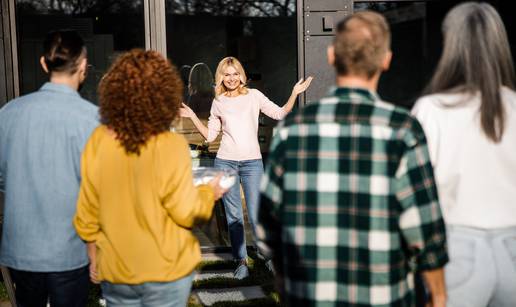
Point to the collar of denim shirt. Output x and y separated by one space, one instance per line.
62 88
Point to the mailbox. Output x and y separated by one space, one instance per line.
322 23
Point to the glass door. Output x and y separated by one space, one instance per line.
261 34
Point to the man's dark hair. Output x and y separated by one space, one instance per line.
62 51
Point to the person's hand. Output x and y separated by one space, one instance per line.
301 85
437 301
434 281
185 111
92 255
93 273
218 191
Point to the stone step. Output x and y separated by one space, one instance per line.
210 256
208 297
206 275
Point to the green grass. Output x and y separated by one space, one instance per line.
3 292
93 296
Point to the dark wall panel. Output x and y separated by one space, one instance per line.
3 75
318 22
316 65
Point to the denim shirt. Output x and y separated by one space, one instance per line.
41 139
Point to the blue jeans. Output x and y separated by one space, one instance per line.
163 294
249 173
482 267
62 289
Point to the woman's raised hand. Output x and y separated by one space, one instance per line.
301 85
185 111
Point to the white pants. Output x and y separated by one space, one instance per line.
482 267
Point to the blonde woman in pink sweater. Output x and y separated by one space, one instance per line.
235 112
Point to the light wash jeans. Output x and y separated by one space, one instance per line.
149 294
249 172
482 267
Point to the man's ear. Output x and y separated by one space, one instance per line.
83 65
386 63
330 53
43 64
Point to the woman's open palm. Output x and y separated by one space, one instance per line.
301 85
185 111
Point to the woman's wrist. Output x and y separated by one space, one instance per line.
194 117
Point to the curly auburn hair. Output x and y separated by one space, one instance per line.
140 96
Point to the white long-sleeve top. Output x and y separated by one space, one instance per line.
476 178
237 117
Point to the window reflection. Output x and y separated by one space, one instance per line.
417 43
234 8
108 27
200 90
411 65
261 34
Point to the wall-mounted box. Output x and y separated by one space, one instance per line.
327 5
322 23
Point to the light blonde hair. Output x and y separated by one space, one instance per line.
226 62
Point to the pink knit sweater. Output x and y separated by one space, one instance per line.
237 117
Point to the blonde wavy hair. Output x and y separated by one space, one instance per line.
226 62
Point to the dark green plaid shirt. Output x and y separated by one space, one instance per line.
349 205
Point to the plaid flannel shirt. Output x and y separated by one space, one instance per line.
349 206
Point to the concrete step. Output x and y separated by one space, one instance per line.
208 297
210 256
206 275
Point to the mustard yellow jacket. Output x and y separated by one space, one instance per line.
139 209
